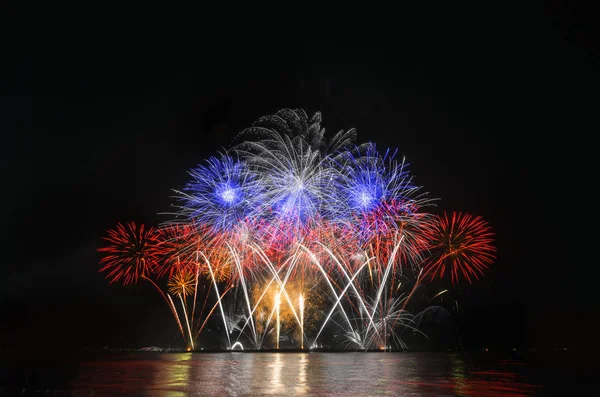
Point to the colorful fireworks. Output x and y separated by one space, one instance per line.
290 236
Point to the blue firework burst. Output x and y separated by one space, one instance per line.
222 193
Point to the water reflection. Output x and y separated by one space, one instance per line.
301 385
277 386
324 374
459 376
176 376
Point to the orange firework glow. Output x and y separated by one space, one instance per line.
182 283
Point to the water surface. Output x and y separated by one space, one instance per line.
278 374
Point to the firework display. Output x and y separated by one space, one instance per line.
290 239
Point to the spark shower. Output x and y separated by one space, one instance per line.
289 239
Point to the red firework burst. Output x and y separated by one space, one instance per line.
130 254
460 245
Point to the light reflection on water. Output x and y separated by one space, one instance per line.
287 374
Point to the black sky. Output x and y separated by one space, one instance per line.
492 108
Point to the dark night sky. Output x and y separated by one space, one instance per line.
491 107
